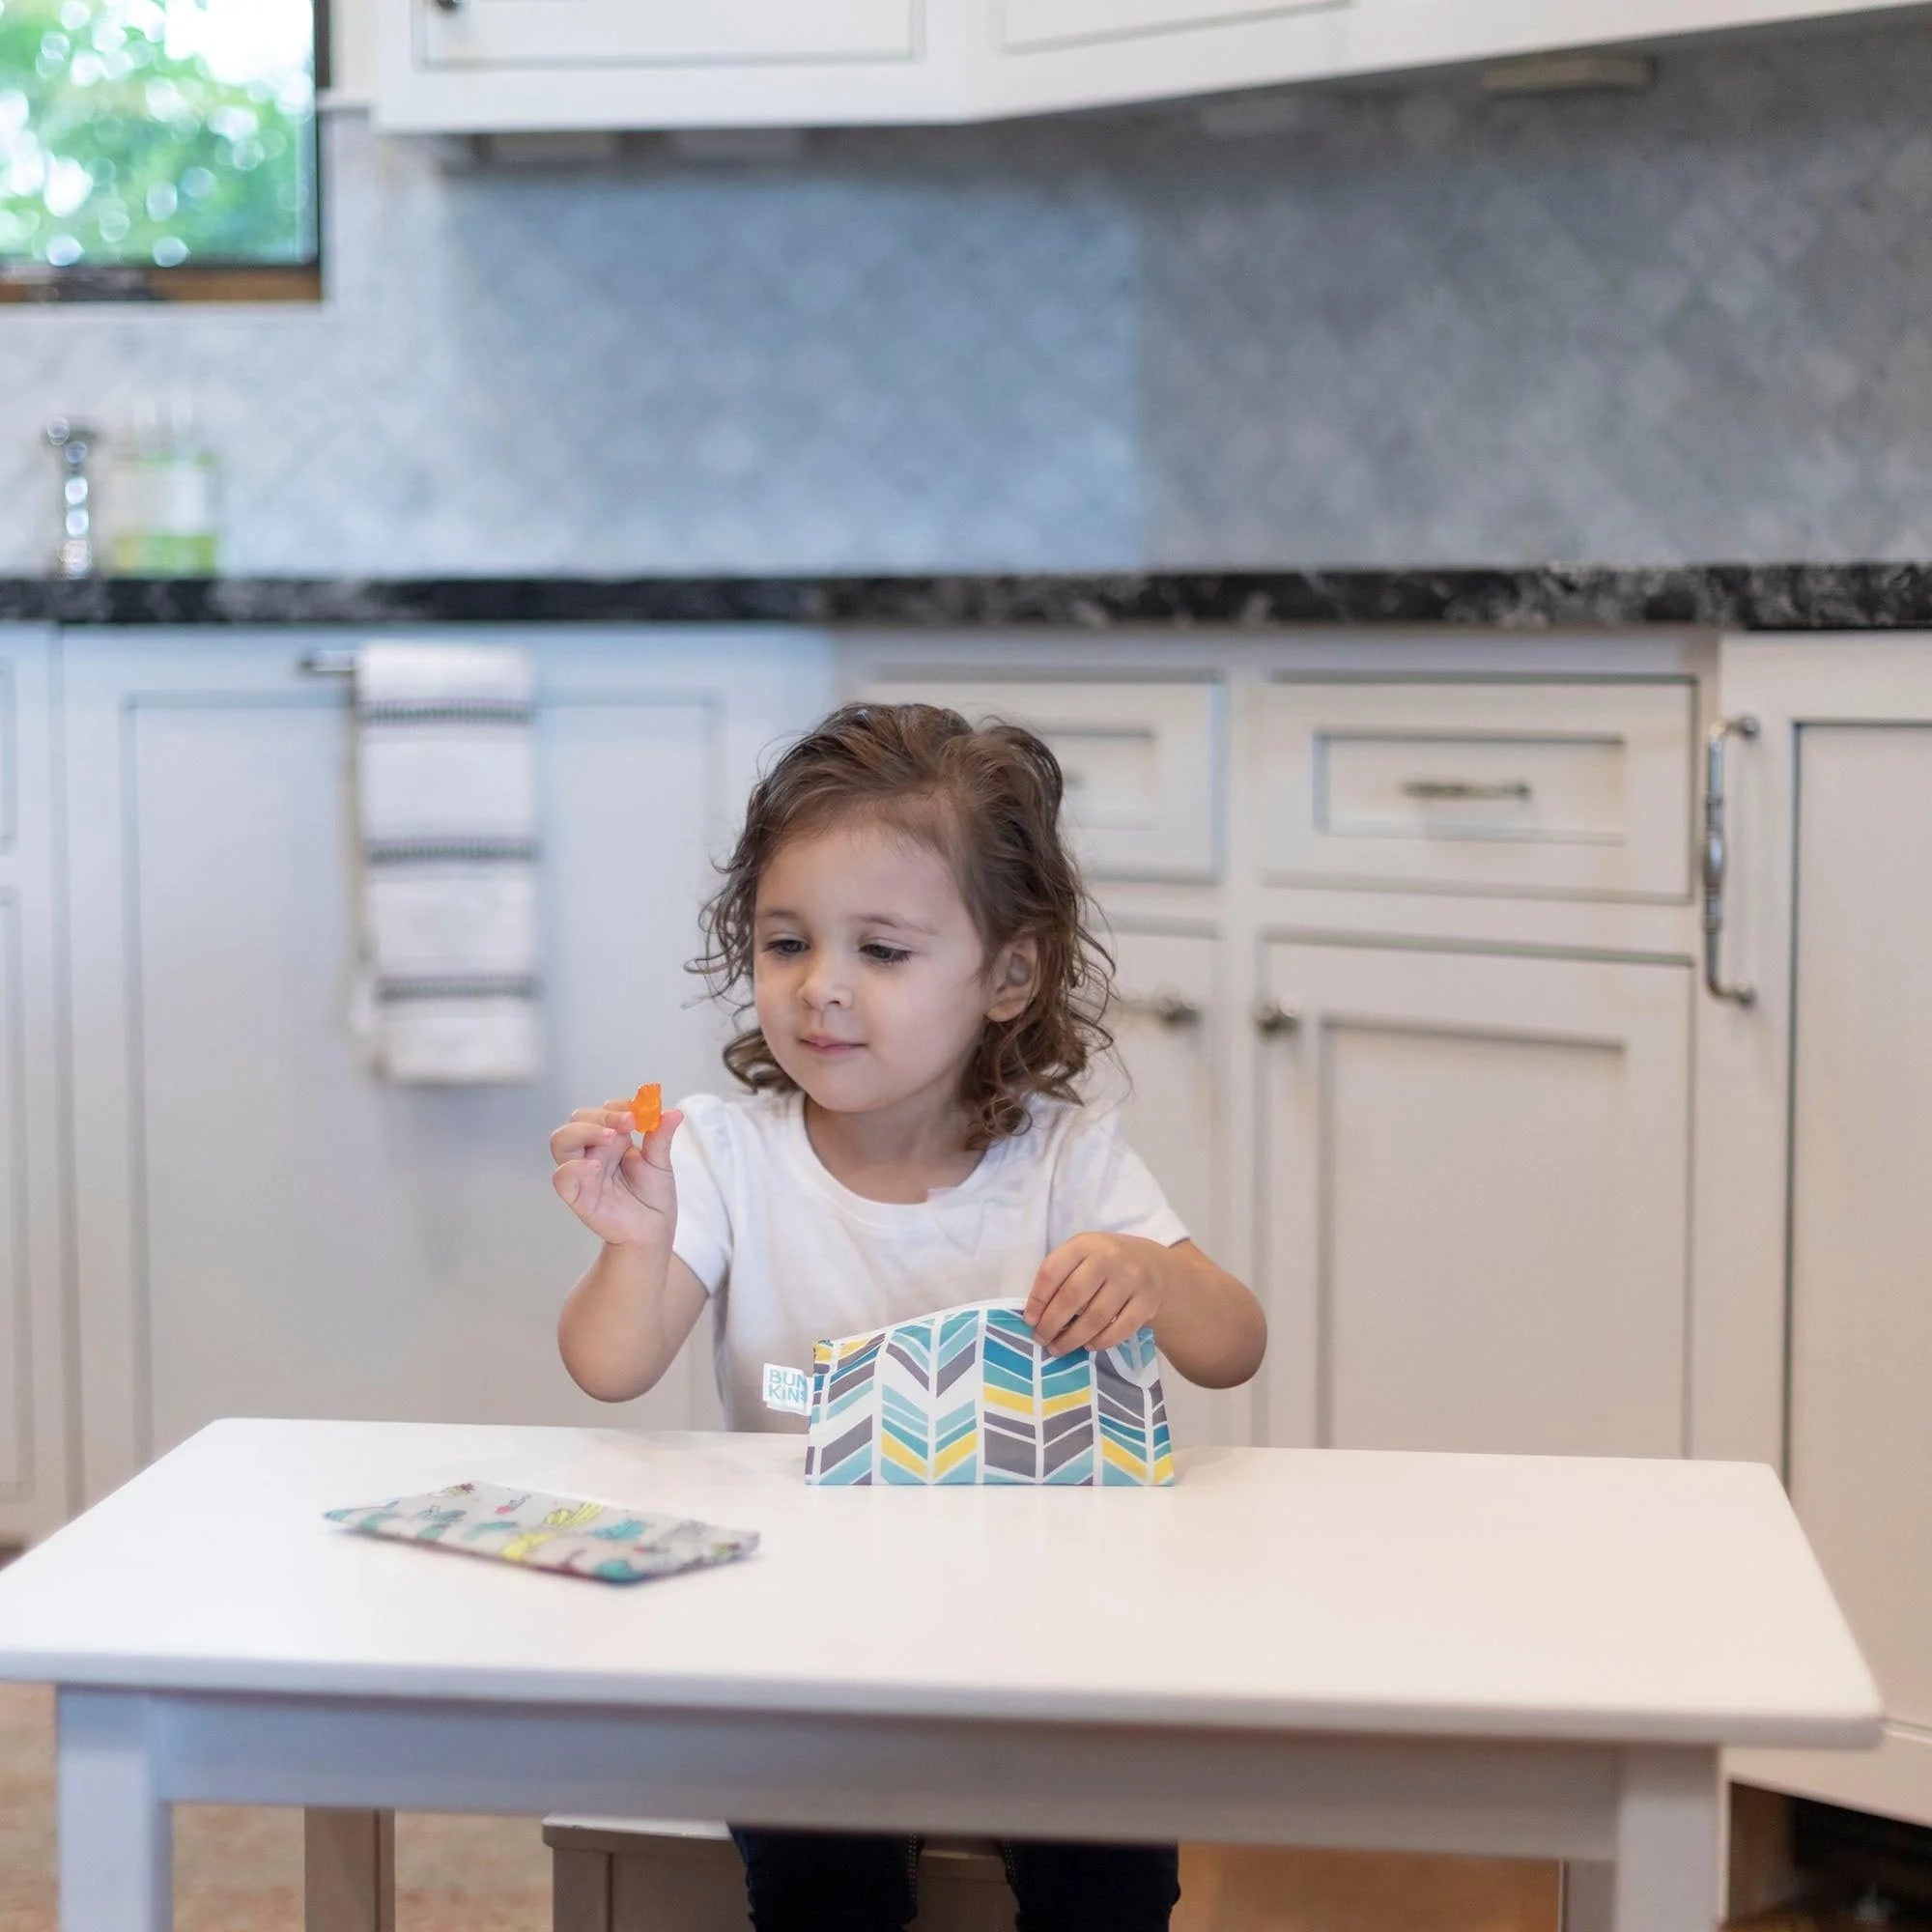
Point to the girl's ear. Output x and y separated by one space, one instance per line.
1016 979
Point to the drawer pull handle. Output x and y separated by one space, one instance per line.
1718 857
1169 1007
1271 1017
1437 791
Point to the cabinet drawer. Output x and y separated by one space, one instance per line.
1555 786
542 33
1142 798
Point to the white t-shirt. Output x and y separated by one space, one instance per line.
791 1257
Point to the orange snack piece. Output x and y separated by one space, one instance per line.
647 1109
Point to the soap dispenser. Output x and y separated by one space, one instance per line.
162 518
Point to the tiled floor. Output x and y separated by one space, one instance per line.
240 1870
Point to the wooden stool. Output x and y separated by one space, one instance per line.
645 1875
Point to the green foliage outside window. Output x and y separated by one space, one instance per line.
162 133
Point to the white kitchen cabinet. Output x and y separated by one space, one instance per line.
1538 786
36 1404
500 65
1170 1024
1140 758
1025 24
1475 1170
526 32
1085 53
1424 1063
265 1227
1815 1142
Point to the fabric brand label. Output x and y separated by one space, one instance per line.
786 1389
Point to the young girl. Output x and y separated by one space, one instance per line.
927 994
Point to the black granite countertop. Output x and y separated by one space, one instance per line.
1537 597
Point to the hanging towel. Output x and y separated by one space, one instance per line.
445 987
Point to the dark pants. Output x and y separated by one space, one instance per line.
828 1882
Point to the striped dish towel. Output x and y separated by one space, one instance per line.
445 794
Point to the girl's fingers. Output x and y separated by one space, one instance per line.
1065 1304
657 1142
616 1114
579 1137
1052 1274
1094 1320
585 1124
1121 1328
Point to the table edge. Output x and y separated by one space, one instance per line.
1858 1727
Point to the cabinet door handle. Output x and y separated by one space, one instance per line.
1436 791
326 664
449 6
1169 1007
1716 857
1271 1017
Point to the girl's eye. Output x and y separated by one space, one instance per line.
886 956
786 949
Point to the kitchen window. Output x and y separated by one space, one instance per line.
159 150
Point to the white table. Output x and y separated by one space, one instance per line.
1533 1657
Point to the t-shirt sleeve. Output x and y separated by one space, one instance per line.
700 1162
1102 1187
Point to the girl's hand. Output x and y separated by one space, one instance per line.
1095 1291
623 1194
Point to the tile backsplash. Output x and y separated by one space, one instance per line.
908 353
1393 324
1426 326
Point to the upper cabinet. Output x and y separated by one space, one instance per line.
504 64
1025 24
524 33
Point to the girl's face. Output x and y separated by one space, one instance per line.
869 978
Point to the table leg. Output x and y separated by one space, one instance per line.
1665 1878
116 1831
1589 1895
580 1884
349 1863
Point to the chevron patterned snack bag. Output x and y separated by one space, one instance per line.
969 1396
543 1532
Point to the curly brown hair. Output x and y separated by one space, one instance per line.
986 798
